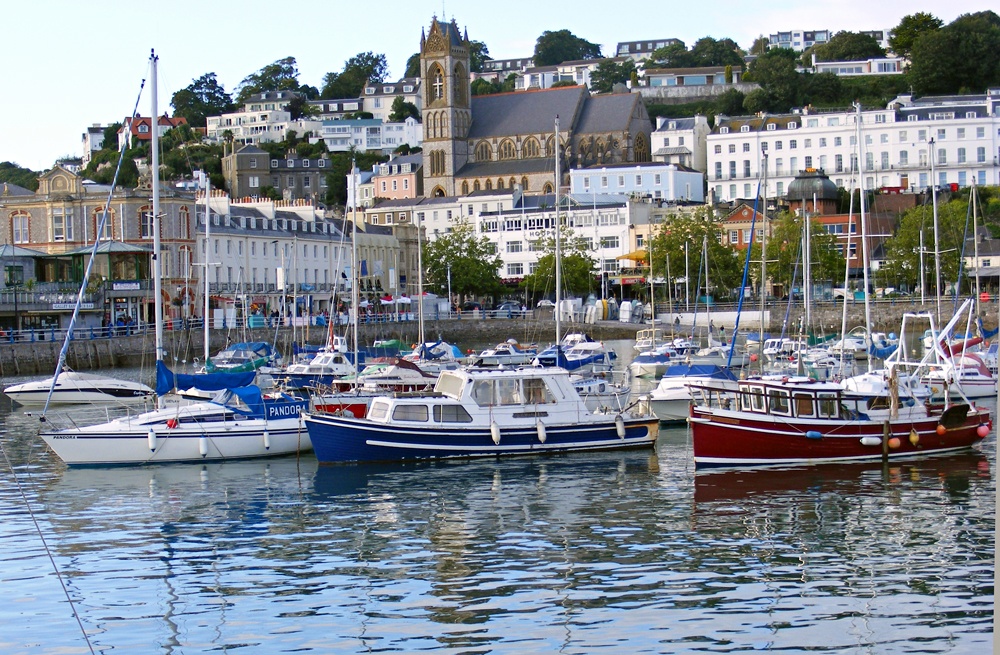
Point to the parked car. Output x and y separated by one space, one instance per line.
545 302
469 306
508 307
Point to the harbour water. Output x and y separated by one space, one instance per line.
589 553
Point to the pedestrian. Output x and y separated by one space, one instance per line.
722 334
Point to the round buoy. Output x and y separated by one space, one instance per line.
941 429
203 445
541 431
753 357
982 430
495 431
894 442
171 423
151 439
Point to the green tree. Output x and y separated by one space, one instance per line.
401 110
282 75
775 72
610 72
958 58
761 45
478 55
822 89
413 66
554 48
673 55
911 28
711 52
22 177
678 235
730 102
902 250
299 107
785 246
845 46
361 69
577 269
202 98
472 259
340 171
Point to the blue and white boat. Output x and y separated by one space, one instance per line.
578 353
671 399
479 413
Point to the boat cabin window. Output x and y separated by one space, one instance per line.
378 410
756 399
409 413
536 393
778 401
497 392
451 414
827 405
804 405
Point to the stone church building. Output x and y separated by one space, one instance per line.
507 140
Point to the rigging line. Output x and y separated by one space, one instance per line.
45 546
746 269
93 255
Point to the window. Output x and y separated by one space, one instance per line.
732 148
961 155
822 142
745 128
809 143
732 170
734 237
621 181
19 223
62 224
146 222
253 162
980 155
980 132
515 269
746 168
718 170
718 149
604 182
838 141
942 156
515 246
609 242
778 145
746 147
638 180
253 181
793 144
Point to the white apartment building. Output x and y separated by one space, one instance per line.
800 40
913 143
377 98
681 141
656 180
262 119
368 134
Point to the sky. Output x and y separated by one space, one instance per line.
69 64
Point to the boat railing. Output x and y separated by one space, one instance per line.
77 418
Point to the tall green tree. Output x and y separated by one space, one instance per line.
760 45
902 250
472 260
610 72
673 55
413 66
785 246
958 58
775 72
681 239
911 28
401 110
478 55
554 48
711 52
361 69
577 269
282 75
299 107
202 98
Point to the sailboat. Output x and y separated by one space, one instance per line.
239 422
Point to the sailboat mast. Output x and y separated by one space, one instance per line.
708 305
208 222
937 242
558 256
864 236
356 279
154 147
763 264
975 244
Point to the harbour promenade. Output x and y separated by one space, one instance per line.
37 353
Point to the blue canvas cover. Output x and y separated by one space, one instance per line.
167 380
700 370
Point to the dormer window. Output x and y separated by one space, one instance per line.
321 163
793 125
291 163
274 163
723 130
744 128
672 125
771 127
408 88
369 90
305 163
143 129
389 89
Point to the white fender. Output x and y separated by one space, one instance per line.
541 431
495 431
203 445
620 426
151 439
871 441
267 440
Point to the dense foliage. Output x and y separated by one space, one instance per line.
472 261
577 269
22 177
554 48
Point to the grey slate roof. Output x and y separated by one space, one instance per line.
508 167
11 189
607 113
9 250
108 247
525 112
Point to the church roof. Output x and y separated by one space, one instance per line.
526 112
607 113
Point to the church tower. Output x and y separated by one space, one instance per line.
447 101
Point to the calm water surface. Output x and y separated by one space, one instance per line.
596 553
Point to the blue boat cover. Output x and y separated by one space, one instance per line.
167 380
881 353
700 370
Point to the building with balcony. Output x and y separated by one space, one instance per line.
799 40
910 145
370 135
658 181
263 118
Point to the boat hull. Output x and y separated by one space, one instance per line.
724 438
342 440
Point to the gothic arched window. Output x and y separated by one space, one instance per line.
507 150
531 149
483 151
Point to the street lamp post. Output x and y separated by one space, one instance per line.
449 288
